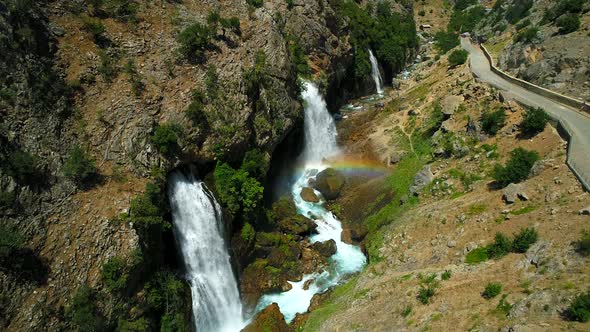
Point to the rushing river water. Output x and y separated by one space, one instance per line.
199 232
320 143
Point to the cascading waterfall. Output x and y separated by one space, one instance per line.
320 143
375 73
198 229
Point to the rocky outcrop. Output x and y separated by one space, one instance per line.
329 182
269 319
422 179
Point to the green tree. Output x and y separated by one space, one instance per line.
165 139
194 40
534 121
10 240
458 57
568 23
446 41
492 122
83 312
22 167
255 3
501 246
79 166
114 274
256 163
524 240
579 310
517 168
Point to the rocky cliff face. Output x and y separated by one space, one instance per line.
536 47
102 75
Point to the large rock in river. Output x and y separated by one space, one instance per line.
329 182
269 319
309 195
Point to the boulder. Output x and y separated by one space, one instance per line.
326 248
298 225
309 195
396 157
422 179
450 105
329 182
585 211
513 192
269 319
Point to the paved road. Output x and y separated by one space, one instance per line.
576 123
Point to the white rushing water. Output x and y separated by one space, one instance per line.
320 143
375 73
199 229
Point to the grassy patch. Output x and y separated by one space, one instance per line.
477 209
476 256
333 304
524 210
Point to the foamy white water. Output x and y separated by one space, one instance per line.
320 143
375 73
199 232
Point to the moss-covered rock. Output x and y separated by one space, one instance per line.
269 319
329 182
309 195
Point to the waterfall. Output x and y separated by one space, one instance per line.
375 73
320 143
199 229
320 129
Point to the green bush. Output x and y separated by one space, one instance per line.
290 4
583 245
458 57
10 239
492 122
466 20
517 169
446 275
501 246
568 23
148 208
83 312
491 290
166 137
138 325
518 10
255 3
79 166
114 274
534 121
527 36
95 27
255 78
231 24
107 67
6 199
523 24
524 240
194 40
298 57
579 310
22 167
425 294
563 7
476 256
446 41
256 163
463 4
212 83
238 190
196 109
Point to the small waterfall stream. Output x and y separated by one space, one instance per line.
320 143
199 229
375 73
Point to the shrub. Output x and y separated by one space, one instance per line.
579 310
247 233
422 13
446 275
458 57
196 109
463 4
476 256
83 312
568 23
114 274
255 77
255 3
147 209
231 24
256 163
464 21
237 190
523 24
534 121
212 83
194 40
95 27
10 239
501 246
518 10
165 139
446 41
138 325
79 166
298 58
491 290
524 239
583 245
6 199
425 293
22 167
137 86
290 4
517 168
107 67
492 122
527 36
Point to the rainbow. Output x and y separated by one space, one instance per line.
352 167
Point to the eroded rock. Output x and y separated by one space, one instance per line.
329 182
